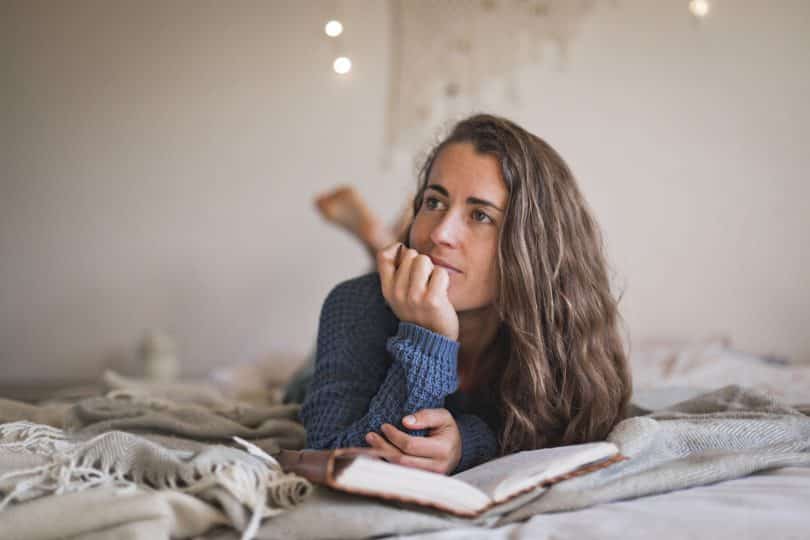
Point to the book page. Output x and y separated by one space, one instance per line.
391 481
510 474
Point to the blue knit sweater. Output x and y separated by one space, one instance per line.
372 369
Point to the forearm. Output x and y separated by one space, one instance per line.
421 374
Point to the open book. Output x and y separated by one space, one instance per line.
471 493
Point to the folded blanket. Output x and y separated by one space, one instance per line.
172 414
272 427
37 460
136 514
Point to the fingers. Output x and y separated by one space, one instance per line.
392 454
438 284
387 265
402 279
428 419
426 464
415 446
412 276
389 451
421 268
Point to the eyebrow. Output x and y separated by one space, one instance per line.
470 200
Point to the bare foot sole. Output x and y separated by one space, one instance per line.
346 208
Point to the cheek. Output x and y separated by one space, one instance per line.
484 281
419 233
474 289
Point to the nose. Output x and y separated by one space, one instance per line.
447 231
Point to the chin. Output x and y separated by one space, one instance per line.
460 304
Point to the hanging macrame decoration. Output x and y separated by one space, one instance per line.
443 51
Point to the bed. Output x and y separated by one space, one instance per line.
720 443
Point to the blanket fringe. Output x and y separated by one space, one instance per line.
125 461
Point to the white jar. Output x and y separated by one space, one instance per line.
159 357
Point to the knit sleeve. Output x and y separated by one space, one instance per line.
364 377
478 442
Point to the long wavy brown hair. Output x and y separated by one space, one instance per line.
562 375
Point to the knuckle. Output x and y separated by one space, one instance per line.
433 301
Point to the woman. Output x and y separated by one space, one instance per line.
492 331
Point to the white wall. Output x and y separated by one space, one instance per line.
162 158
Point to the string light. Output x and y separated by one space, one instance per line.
333 28
699 8
342 65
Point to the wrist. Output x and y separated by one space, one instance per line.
448 333
431 342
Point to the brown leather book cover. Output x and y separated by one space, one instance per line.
321 466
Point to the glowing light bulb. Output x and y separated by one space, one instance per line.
342 65
699 8
333 28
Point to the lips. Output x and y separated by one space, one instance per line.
439 262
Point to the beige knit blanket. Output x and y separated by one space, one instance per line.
158 467
713 437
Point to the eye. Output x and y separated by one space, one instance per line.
481 217
432 203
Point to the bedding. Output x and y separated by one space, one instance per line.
210 486
730 463
672 371
722 435
769 505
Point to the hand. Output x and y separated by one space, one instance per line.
416 290
439 451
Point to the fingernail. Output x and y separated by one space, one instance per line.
410 419
369 436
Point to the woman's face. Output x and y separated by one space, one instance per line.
462 210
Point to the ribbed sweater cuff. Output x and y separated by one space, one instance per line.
429 360
429 342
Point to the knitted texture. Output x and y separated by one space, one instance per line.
38 460
373 369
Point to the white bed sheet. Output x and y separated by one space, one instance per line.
768 505
706 365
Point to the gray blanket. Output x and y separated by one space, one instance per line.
716 436
154 455
721 435
43 470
